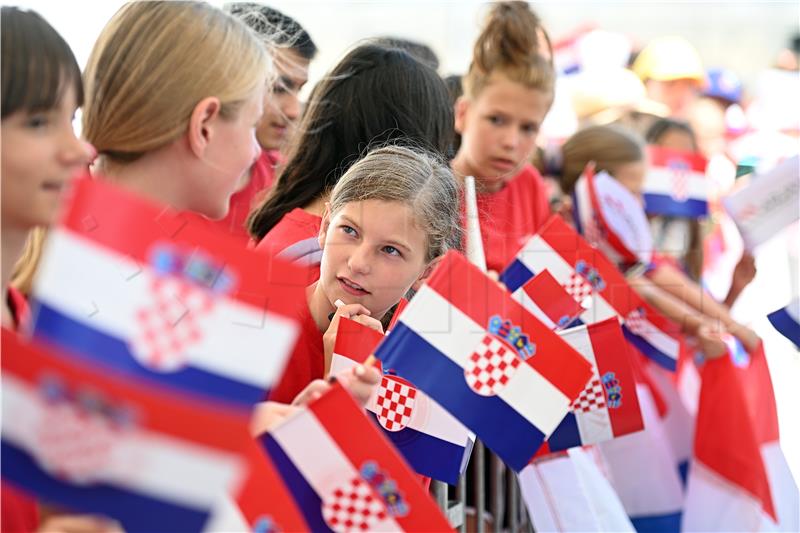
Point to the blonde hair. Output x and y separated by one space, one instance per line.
28 263
509 45
608 146
416 178
152 64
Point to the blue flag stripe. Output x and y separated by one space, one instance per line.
516 275
104 349
497 424
135 511
661 204
649 350
566 435
304 494
428 455
657 523
786 325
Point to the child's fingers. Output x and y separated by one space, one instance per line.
368 321
313 390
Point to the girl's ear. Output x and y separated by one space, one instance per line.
426 273
201 124
326 222
462 104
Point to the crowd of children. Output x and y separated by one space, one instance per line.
360 185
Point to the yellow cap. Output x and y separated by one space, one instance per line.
669 58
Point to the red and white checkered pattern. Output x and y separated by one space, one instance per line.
355 507
490 366
578 287
169 326
635 322
592 231
591 399
395 403
680 183
74 445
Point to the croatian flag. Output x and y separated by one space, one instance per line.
787 321
591 279
607 407
344 474
612 219
477 352
546 299
739 478
94 441
641 468
141 289
676 183
568 492
433 442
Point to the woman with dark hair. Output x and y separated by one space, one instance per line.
374 96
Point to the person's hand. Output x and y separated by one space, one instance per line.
356 312
360 381
743 274
709 341
72 523
746 336
267 415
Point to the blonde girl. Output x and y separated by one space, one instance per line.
390 218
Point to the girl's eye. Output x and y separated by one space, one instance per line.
36 121
496 120
391 250
530 128
349 231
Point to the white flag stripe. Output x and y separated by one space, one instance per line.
456 336
715 504
320 460
527 302
538 255
144 462
608 510
660 340
237 342
793 309
660 180
641 466
594 426
428 416
785 496
585 212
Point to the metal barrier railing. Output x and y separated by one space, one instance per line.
503 496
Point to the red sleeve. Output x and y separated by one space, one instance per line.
19 512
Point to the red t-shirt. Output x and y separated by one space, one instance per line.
296 238
18 512
512 215
306 363
262 176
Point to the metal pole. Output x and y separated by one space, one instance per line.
513 503
480 486
498 489
461 495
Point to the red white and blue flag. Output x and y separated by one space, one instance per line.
477 352
787 321
587 275
94 441
433 442
676 183
142 289
547 300
739 478
607 407
344 474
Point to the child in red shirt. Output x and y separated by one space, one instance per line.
390 218
508 90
